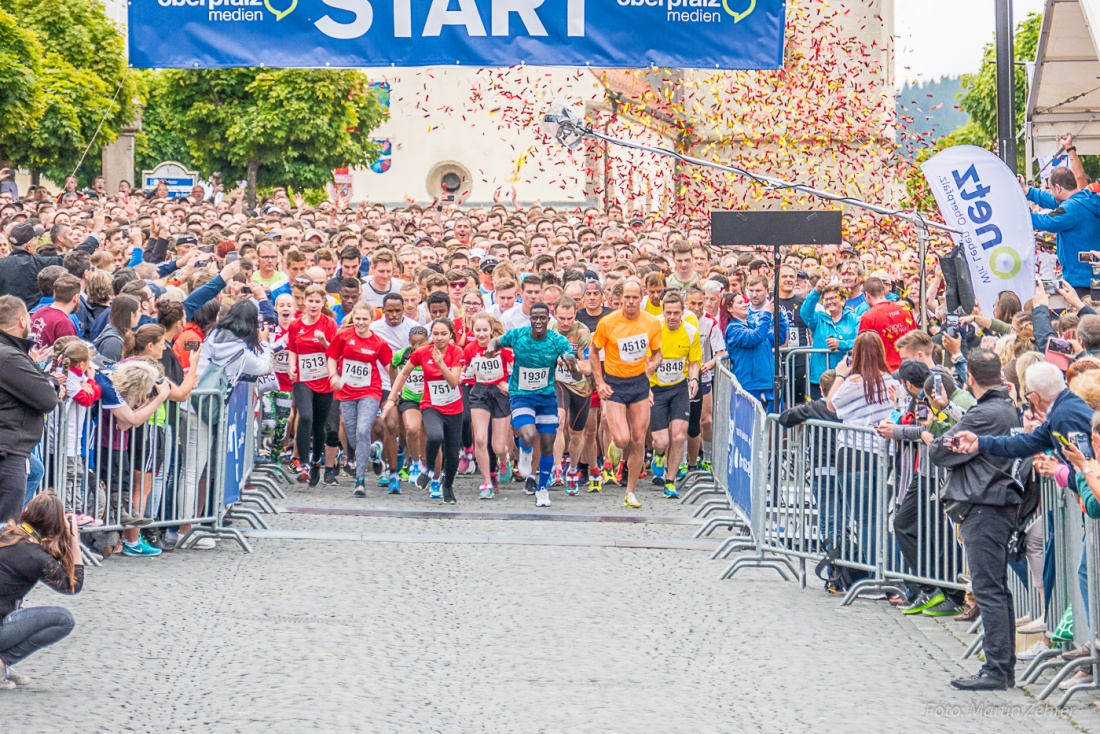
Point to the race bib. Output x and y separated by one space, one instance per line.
443 393
792 338
670 371
534 379
633 348
282 362
311 367
564 376
357 374
415 383
490 369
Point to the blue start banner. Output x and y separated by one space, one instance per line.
687 34
739 478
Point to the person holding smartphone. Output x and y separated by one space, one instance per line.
42 545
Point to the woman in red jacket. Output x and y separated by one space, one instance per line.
307 340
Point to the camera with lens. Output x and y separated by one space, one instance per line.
450 184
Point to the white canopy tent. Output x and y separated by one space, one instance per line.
1065 82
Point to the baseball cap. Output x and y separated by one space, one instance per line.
913 371
314 233
156 289
186 239
487 264
882 275
24 232
848 250
478 252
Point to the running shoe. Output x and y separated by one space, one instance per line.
682 471
395 484
619 470
401 460
423 479
360 488
703 465
349 468
436 492
495 479
330 475
923 601
542 498
631 501
595 484
7 673
463 462
608 473
314 475
572 484
659 468
642 473
658 481
556 479
526 457
529 486
139 549
303 474
670 491
472 468
384 479
414 474
376 464
945 608
614 453
87 521
487 491
505 470
404 474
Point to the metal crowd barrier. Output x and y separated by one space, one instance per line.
170 472
792 389
843 492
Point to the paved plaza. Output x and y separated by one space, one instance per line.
346 619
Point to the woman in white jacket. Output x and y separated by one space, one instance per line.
242 349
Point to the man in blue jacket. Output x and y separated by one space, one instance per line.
750 344
1074 217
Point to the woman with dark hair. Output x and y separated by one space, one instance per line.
42 546
202 321
440 406
863 395
241 348
125 314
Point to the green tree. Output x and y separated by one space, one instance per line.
273 126
21 96
158 141
85 81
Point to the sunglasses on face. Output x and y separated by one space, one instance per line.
458 284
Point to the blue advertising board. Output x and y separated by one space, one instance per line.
739 469
688 34
236 440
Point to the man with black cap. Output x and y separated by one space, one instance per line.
19 270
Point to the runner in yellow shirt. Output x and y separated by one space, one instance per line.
631 343
674 382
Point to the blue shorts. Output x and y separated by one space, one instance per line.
540 410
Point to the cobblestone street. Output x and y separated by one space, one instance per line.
362 623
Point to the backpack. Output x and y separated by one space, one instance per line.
837 578
214 377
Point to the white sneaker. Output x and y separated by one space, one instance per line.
6 685
204 544
1034 651
525 459
15 678
542 498
1039 625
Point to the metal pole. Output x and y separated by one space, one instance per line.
1006 96
922 291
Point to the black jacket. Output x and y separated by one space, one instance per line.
817 410
26 395
19 271
981 478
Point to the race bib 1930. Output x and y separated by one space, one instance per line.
534 379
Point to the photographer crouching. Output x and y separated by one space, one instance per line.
43 545
981 496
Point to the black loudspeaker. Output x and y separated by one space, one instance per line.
753 229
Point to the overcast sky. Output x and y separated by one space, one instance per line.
945 37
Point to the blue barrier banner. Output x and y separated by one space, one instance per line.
739 470
236 425
690 34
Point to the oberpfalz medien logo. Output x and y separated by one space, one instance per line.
698 11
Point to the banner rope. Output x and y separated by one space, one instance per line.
100 125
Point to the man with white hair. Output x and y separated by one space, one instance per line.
1063 415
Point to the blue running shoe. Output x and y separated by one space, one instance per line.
139 549
436 492
376 464
506 471
682 471
670 491
384 479
395 484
